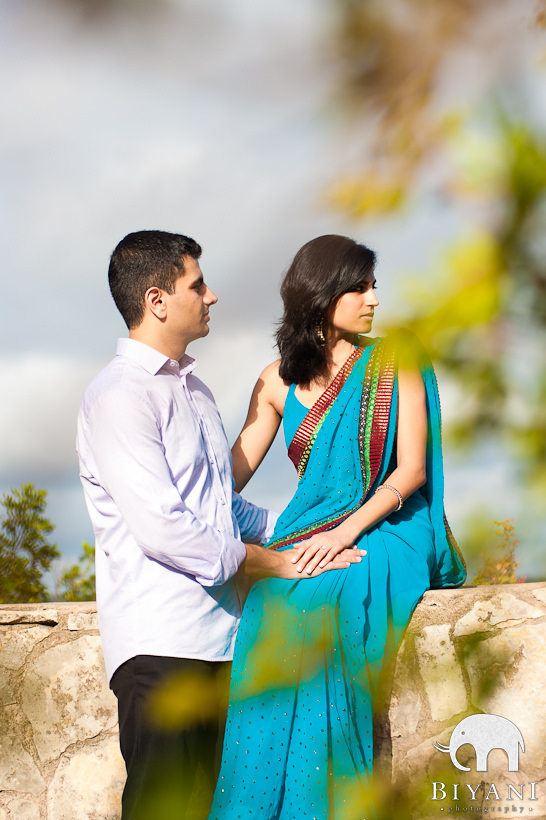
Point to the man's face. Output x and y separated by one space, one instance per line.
188 306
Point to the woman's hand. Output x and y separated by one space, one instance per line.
321 549
316 553
262 562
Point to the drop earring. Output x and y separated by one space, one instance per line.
320 332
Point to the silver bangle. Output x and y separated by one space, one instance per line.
393 490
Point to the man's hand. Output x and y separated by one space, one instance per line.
265 563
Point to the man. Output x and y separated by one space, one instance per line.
156 472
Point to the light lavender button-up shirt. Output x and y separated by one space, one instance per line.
156 472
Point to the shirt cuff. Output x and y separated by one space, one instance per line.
232 555
270 525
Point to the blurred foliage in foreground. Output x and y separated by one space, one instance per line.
499 565
443 99
482 314
403 787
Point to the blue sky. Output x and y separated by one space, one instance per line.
214 119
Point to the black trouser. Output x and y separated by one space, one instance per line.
171 726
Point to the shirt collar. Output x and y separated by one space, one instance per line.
151 359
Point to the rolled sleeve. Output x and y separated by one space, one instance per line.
255 523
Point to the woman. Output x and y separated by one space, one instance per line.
362 426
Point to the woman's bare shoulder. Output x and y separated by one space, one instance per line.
274 388
270 374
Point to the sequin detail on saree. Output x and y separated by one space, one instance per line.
309 652
375 408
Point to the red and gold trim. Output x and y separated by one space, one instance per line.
375 412
373 425
302 443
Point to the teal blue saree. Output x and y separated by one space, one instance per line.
298 741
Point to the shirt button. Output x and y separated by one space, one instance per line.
222 501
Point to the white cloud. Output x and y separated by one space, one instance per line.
38 415
230 363
216 120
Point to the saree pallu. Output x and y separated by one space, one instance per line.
298 742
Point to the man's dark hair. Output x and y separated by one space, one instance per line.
143 260
322 271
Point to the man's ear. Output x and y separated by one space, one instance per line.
155 302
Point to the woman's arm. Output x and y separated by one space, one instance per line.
409 475
261 425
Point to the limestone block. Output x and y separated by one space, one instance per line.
91 778
440 672
18 772
404 713
78 621
3 814
420 763
539 808
29 616
24 808
65 696
541 595
7 695
500 610
507 674
15 644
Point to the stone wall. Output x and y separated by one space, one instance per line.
465 651
468 651
59 753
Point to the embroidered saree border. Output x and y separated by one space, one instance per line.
375 412
302 443
373 433
373 423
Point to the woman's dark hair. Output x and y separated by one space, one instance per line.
143 260
322 271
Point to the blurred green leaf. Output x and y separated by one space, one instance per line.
499 565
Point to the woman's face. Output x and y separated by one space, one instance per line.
353 311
